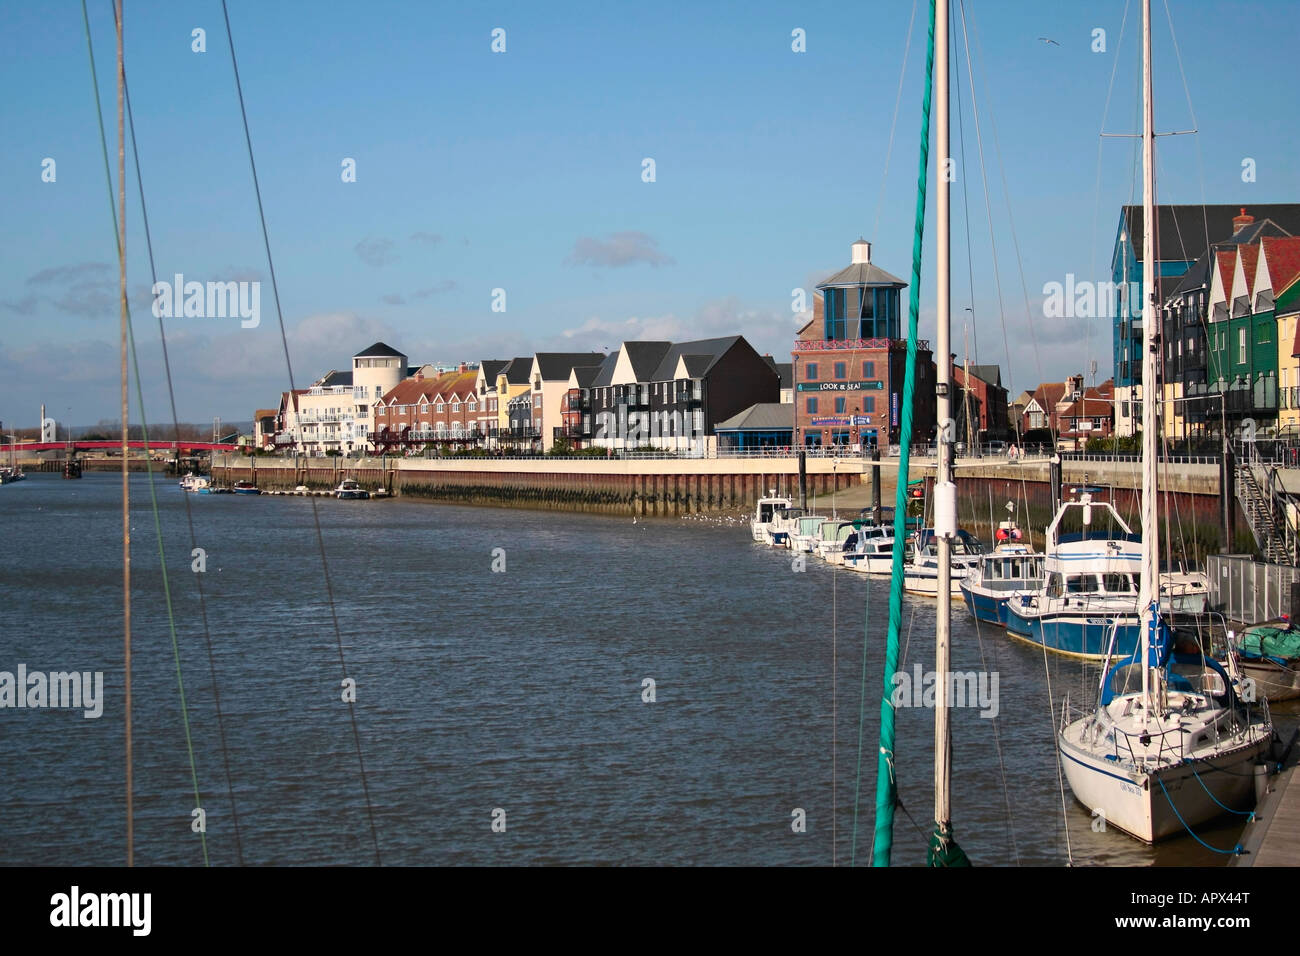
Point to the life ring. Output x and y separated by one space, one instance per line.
1008 534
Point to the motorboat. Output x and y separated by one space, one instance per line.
765 510
921 573
350 489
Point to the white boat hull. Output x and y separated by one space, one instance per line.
1148 803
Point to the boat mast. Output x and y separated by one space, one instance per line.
1148 589
943 411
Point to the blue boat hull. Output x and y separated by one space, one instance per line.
1078 634
984 607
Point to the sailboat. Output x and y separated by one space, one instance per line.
1169 744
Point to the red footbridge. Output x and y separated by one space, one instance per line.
182 447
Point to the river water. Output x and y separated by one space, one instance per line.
514 695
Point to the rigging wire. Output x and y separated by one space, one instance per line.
898 99
320 538
119 226
189 511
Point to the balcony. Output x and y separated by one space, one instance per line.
575 430
832 345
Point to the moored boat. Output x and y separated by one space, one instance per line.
765 509
921 576
1010 567
244 487
350 489
1269 655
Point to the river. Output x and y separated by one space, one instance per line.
515 695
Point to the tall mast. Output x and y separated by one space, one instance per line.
1148 589
943 409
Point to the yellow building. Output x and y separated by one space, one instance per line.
512 381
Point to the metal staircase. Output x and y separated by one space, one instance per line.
1273 534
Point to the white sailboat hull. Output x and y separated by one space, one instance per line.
1134 799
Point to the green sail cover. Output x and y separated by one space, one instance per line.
886 785
944 850
1269 640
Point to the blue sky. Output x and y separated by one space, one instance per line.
522 170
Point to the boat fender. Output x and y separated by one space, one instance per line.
945 509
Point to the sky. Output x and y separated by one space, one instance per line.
523 171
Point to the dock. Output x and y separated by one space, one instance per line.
1273 839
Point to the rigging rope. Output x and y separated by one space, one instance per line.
153 496
1237 850
320 538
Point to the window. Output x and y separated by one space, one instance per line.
839 369
869 404
810 371
868 369
811 405
440 408
839 405
1241 346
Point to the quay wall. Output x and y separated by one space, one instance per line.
652 487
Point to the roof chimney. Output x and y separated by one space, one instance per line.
419 376
1240 222
463 367
861 252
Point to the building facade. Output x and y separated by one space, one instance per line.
848 362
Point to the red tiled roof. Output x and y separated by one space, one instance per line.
1249 259
1089 405
1283 260
1227 261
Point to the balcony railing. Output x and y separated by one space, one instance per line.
823 345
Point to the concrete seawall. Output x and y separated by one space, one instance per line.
663 487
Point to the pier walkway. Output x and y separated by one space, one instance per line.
1274 838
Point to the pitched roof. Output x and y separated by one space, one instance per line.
764 415
991 374
517 370
701 355
379 349
1049 394
336 378
1183 232
1283 255
265 413
557 365
783 369
645 357
1249 259
1090 404
492 368
1198 274
861 273
1227 261
605 374
586 374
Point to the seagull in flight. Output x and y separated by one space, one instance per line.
1046 40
